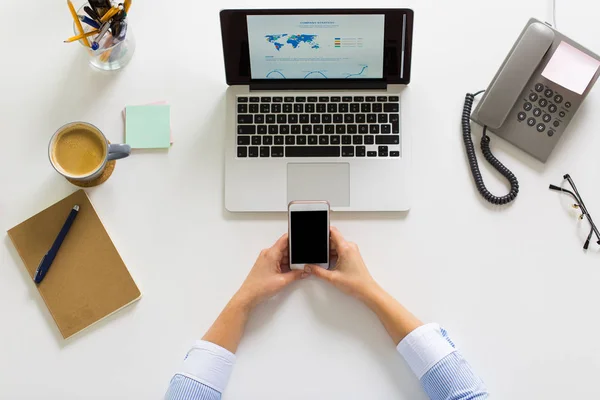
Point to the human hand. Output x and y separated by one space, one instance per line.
350 273
269 275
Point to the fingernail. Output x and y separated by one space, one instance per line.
304 275
307 269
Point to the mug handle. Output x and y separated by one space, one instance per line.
118 151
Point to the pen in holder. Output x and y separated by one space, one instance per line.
111 46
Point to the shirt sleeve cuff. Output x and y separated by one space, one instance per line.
425 347
208 364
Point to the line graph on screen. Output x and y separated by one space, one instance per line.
319 74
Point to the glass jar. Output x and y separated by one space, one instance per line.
112 54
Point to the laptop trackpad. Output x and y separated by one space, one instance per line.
329 182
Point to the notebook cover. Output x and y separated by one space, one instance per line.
88 280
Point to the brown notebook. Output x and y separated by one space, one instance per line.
88 280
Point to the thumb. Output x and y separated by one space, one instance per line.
319 272
279 246
293 275
337 238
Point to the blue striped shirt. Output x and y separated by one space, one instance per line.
428 350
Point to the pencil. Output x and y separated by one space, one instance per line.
106 55
78 22
79 37
126 5
111 13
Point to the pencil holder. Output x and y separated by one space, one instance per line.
112 54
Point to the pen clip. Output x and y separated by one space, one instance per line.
38 272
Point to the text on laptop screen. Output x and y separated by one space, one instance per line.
316 46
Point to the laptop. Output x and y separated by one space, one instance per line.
313 108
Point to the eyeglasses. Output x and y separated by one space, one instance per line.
581 206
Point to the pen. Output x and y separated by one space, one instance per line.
79 37
89 21
93 14
126 5
122 30
96 44
115 28
117 24
77 22
96 4
100 6
47 260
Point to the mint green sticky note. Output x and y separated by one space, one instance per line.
148 127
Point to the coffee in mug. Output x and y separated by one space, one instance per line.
80 151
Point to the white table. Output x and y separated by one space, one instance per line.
512 285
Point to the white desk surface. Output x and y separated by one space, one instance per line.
512 286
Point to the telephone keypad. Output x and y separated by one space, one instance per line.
540 108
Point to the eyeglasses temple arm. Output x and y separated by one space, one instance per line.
583 210
559 189
587 241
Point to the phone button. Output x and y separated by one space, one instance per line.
558 98
550 133
539 88
543 102
531 122
537 112
548 93
522 116
568 104
541 127
556 124
562 114
552 108
527 106
547 118
533 97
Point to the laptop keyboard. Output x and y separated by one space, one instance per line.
319 126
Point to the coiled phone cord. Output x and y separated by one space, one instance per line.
487 153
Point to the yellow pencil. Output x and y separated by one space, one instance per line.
126 5
77 22
106 55
79 37
109 14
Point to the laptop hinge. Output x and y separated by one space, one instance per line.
317 84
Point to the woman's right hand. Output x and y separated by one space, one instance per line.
350 273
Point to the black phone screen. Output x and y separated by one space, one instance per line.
309 237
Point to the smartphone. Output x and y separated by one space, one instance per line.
308 231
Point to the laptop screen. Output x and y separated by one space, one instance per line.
316 46
287 49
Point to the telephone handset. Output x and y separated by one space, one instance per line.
531 100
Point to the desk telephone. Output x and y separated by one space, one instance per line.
531 100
